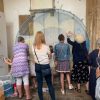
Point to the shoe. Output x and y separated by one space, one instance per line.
62 91
35 86
21 96
45 89
71 87
14 95
78 90
87 92
29 99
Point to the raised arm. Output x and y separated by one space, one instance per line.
69 41
85 48
70 34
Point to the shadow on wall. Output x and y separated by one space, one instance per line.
10 40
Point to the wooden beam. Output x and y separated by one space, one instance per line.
1 6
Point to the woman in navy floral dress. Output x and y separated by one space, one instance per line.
80 72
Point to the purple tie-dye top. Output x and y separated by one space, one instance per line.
20 66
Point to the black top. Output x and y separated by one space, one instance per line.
92 58
79 50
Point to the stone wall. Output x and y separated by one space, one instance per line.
93 21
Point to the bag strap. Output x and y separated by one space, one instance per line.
36 56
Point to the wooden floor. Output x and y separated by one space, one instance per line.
69 95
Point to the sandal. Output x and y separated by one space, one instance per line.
87 91
71 87
62 91
78 90
20 97
29 99
14 95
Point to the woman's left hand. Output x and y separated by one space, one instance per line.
98 72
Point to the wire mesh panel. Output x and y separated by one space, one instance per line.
53 23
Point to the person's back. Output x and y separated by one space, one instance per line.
20 51
62 59
79 51
80 71
62 51
94 63
42 54
20 66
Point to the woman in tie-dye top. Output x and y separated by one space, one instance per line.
20 66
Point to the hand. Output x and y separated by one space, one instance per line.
97 72
5 60
69 34
56 63
50 56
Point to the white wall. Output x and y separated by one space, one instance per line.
14 8
77 7
3 45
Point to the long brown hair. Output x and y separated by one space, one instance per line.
39 39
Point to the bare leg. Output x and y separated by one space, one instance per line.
78 86
69 81
27 91
62 82
34 82
68 78
19 89
15 91
87 86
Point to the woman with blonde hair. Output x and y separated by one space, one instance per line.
41 54
80 71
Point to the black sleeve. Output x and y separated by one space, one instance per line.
70 42
85 48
